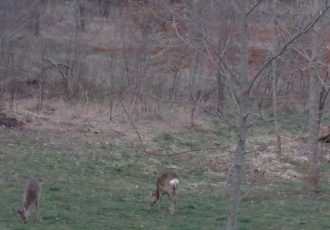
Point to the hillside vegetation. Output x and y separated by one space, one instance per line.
102 180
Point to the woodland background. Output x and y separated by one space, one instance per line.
232 94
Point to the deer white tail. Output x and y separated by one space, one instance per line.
174 182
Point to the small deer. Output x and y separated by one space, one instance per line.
166 185
30 198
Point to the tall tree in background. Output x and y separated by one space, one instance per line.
81 15
274 74
312 180
240 80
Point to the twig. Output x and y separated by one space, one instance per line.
201 149
189 151
254 7
132 123
306 29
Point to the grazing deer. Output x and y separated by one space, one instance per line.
166 184
31 197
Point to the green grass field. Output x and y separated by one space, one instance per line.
92 182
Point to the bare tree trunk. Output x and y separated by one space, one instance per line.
241 114
81 15
111 107
2 99
238 174
192 114
312 180
3 47
274 76
41 95
113 90
221 93
105 7
36 19
173 89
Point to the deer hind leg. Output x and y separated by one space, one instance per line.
173 201
174 204
172 207
162 192
159 201
37 211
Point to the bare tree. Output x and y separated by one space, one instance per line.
81 15
274 80
312 180
36 15
241 82
105 7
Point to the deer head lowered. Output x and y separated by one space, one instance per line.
31 197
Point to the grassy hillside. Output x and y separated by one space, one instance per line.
102 181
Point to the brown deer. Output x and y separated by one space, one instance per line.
166 185
31 197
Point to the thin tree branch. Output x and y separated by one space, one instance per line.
284 48
190 151
132 123
254 7
221 60
209 55
199 150
323 82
